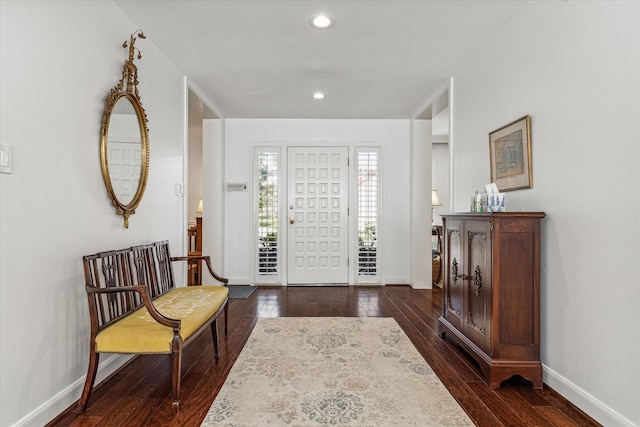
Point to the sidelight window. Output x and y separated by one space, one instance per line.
368 218
267 187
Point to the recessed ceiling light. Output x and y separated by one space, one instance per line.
321 21
318 95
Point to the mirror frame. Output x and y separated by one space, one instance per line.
127 88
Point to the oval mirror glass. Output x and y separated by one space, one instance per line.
124 151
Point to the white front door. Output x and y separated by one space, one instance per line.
317 215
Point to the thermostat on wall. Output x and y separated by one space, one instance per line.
236 186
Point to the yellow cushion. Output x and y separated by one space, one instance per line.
139 333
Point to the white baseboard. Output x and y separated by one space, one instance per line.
397 281
422 285
589 404
68 396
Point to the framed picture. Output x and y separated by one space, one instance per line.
510 153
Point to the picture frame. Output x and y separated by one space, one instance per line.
510 155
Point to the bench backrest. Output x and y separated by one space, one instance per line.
148 265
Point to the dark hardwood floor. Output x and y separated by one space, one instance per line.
139 394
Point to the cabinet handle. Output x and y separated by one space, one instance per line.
454 270
477 280
477 276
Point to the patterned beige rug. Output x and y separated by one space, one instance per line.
337 371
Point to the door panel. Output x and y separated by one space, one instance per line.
478 276
318 215
454 292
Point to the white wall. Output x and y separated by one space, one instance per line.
58 62
421 266
194 153
575 68
440 179
392 135
213 193
440 154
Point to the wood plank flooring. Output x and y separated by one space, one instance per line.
139 394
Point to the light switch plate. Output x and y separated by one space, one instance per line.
6 158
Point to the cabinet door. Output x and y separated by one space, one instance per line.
477 276
453 283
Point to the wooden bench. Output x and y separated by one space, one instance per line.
136 308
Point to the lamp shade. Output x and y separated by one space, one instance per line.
435 200
199 210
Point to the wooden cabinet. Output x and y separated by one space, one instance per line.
491 292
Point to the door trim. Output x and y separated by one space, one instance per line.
353 147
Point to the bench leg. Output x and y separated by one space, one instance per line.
176 371
94 357
226 317
214 333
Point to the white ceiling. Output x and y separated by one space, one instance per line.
262 59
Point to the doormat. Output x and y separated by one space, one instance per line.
332 371
240 291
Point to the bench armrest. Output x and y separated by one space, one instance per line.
207 261
146 299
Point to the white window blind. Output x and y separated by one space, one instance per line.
368 197
267 194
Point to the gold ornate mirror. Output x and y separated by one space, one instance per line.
124 139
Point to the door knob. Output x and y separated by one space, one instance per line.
292 220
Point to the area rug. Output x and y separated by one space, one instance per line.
332 371
240 291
